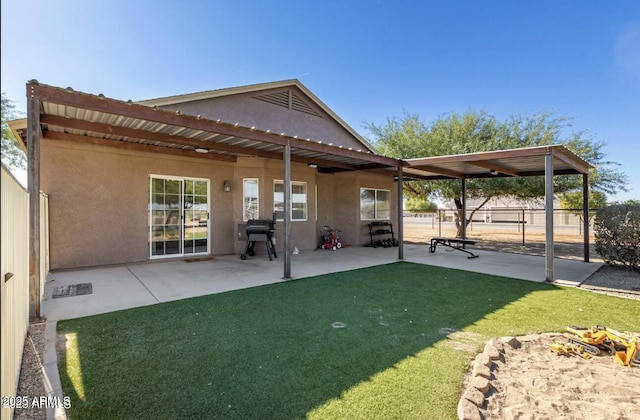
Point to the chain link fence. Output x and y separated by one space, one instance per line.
518 230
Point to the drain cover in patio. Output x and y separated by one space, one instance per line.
72 290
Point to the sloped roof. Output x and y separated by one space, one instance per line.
255 88
65 114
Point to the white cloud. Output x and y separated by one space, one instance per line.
627 51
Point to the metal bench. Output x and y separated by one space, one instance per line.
453 243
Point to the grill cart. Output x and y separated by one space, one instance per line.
260 230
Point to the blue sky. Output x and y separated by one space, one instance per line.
367 60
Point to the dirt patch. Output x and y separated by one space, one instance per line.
528 381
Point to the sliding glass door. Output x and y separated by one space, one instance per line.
196 216
179 216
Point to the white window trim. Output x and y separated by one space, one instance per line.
306 193
244 195
182 179
375 201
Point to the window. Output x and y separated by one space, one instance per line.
249 199
374 204
298 200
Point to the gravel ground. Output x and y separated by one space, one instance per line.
617 281
31 383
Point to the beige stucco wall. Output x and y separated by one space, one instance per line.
248 111
340 206
98 201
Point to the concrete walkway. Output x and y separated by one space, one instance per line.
132 285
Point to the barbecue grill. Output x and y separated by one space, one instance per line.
260 230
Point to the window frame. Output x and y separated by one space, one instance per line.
245 209
292 202
376 204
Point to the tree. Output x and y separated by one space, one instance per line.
471 132
12 156
573 200
420 205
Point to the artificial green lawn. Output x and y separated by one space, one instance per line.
273 351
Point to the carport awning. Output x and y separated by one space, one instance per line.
69 115
74 116
528 161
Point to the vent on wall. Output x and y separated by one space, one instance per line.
288 99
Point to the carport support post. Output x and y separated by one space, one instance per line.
585 215
548 196
33 179
400 214
287 210
464 208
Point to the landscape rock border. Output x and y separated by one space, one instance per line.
478 384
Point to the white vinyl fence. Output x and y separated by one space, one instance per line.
14 280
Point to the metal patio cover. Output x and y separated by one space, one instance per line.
63 114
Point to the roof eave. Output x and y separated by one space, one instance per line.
19 130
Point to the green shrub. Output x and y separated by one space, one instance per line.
617 232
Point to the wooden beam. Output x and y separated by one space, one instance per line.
113 130
52 135
577 164
33 174
135 133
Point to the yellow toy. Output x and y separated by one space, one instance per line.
598 339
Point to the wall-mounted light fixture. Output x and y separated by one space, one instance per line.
313 165
494 172
226 185
201 150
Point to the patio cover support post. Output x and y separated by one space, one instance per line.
548 196
464 208
287 210
33 180
585 215
400 214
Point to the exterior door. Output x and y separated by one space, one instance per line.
179 216
196 216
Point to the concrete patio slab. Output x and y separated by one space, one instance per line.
132 285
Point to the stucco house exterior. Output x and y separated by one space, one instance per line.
179 176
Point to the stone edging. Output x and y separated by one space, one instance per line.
479 383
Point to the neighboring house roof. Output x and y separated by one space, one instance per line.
256 88
16 127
